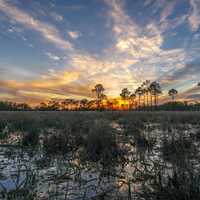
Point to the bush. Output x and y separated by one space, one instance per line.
30 138
59 142
100 144
181 185
178 150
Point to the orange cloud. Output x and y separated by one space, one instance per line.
58 86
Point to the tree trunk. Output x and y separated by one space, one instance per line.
155 101
139 102
129 191
147 100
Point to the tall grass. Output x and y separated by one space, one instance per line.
154 155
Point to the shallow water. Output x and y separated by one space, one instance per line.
66 178
18 164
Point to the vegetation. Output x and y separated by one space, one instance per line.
125 155
10 106
125 94
145 97
172 93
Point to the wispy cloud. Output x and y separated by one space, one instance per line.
52 85
52 56
190 94
194 18
187 72
143 44
134 54
56 17
168 10
74 34
131 38
48 31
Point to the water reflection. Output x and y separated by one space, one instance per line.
155 160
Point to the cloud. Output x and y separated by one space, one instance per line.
186 73
52 56
141 45
134 54
56 17
169 19
2 69
14 29
168 10
144 46
74 34
194 18
49 32
157 5
53 85
132 39
193 97
148 2
11 72
190 94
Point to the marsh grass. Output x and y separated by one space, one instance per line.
181 184
58 143
24 189
154 154
100 145
30 138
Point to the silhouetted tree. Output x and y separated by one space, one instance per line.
172 93
146 90
43 106
98 90
139 92
132 98
83 103
155 91
12 106
53 105
103 96
125 93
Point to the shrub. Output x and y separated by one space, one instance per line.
178 150
59 142
100 144
30 138
180 185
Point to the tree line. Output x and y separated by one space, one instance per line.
145 97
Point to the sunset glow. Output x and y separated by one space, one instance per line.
60 49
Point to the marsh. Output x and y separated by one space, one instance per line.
100 155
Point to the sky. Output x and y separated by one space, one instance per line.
58 49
